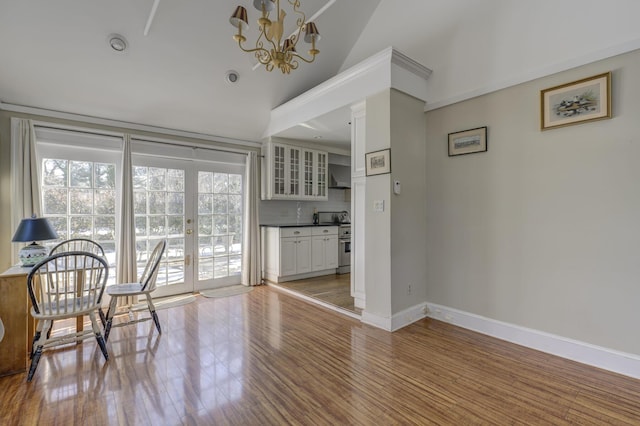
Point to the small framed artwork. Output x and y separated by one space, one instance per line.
378 162
576 102
468 141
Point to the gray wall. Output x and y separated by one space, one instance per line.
542 230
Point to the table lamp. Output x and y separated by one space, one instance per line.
33 229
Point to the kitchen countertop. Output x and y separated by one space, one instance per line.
299 225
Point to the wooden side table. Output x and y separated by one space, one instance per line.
18 324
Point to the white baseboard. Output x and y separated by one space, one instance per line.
397 321
586 353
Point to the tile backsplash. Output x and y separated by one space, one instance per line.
279 212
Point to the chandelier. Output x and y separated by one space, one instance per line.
278 53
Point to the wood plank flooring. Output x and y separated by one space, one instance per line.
266 358
332 289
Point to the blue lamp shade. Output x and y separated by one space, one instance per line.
33 229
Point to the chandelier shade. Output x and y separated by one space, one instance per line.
272 49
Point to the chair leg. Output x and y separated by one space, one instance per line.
110 313
43 328
152 309
99 338
34 363
103 319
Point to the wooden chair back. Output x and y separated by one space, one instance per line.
150 273
78 244
67 284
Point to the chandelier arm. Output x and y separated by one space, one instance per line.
295 55
259 52
302 19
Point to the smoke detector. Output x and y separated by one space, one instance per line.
232 77
117 42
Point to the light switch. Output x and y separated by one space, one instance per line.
378 206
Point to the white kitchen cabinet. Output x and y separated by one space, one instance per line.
324 248
290 253
294 173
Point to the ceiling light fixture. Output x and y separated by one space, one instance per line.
279 53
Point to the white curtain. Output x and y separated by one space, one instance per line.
251 269
27 194
126 254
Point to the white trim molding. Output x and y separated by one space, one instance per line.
398 320
386 69
585 353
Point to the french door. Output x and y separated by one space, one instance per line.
197 207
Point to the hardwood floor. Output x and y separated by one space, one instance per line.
266 357
332 289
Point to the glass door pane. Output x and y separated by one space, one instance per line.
219 252
160 209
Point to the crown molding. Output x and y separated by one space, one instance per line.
124 125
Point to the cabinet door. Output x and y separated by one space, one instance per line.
278 163
308 173
303 255
321 175
331 252
294 169
318 253
288 247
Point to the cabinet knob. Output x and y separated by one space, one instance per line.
296 232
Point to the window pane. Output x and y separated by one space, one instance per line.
205 204
105 175
54 172
235 204
157 226
81 201
105 200
235 184
140 177
175 180
220 225
157 202
140 202
220 204
205 182
220 183
205 226
104 228
80 174
54 201
80 227
175 225
141 226
175 203
157 179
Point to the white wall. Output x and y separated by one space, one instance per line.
273 212
542 230
479 45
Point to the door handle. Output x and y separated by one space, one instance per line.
187 260
189 231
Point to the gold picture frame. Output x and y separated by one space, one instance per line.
577 102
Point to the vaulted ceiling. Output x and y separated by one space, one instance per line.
55 55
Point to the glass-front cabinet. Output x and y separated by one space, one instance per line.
294 173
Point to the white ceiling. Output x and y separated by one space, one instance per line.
55 55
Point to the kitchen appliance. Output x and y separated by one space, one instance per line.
344 247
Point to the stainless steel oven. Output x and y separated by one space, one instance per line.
344 245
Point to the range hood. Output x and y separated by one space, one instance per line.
339 176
